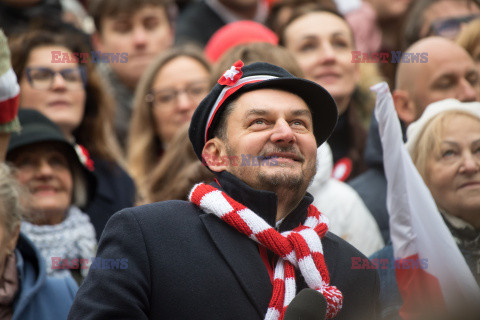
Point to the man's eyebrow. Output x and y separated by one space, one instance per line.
302 112
262 112
256 112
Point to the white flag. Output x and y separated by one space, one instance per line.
417 229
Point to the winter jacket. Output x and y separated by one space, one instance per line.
347 215
40 297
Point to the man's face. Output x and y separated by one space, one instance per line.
142 35
441 17
447 74
273 124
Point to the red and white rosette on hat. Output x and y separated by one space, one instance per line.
233 81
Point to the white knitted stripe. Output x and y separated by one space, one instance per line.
323 219
310 273
292 258
254 222
279 270
214 202
290 290
311 222
312 239
9 87
272 314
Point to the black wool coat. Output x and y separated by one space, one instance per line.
186 264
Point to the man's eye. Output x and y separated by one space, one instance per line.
257 122
150 24
299 123
122 27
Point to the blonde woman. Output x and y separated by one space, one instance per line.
168 93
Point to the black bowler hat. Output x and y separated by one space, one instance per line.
260 75
37 128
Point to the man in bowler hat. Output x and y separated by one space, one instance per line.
246 244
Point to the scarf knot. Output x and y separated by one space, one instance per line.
299 248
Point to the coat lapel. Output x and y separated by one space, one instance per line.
241 254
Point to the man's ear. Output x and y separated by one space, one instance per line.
404 106
214 155
97 41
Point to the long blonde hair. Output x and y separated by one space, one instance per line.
178 171
144 147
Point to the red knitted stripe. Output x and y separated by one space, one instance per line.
234 219
321 229
313 212
278 294
301 247
289 270
199 192
9 109
319 260
271 239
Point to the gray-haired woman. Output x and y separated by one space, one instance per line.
25 290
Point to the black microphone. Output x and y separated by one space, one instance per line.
308 304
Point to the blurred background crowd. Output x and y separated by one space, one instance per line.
106 90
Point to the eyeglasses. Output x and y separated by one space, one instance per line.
449 28
166 98
41 78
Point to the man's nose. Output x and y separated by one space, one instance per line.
468 92
283 133
139 36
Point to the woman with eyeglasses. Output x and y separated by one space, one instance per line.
166 96
57 78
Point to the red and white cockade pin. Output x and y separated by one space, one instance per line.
232 75
84 156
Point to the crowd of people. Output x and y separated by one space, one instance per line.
211 159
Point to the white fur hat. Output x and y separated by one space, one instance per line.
416 128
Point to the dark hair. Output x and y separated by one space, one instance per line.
415 19
95 132
302 10
278 7
100 9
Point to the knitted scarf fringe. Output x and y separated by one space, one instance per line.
299 248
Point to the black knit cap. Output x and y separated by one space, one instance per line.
260 75
37 128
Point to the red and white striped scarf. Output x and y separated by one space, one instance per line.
299 248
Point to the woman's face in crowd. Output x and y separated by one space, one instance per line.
322 43
178 88
44 170
61 98
453 174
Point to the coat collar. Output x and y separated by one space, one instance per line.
262 202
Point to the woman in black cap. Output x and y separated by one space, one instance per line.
60 186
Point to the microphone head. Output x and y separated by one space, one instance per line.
308 304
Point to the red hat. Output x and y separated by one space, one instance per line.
236 33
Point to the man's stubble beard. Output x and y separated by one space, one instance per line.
279 182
